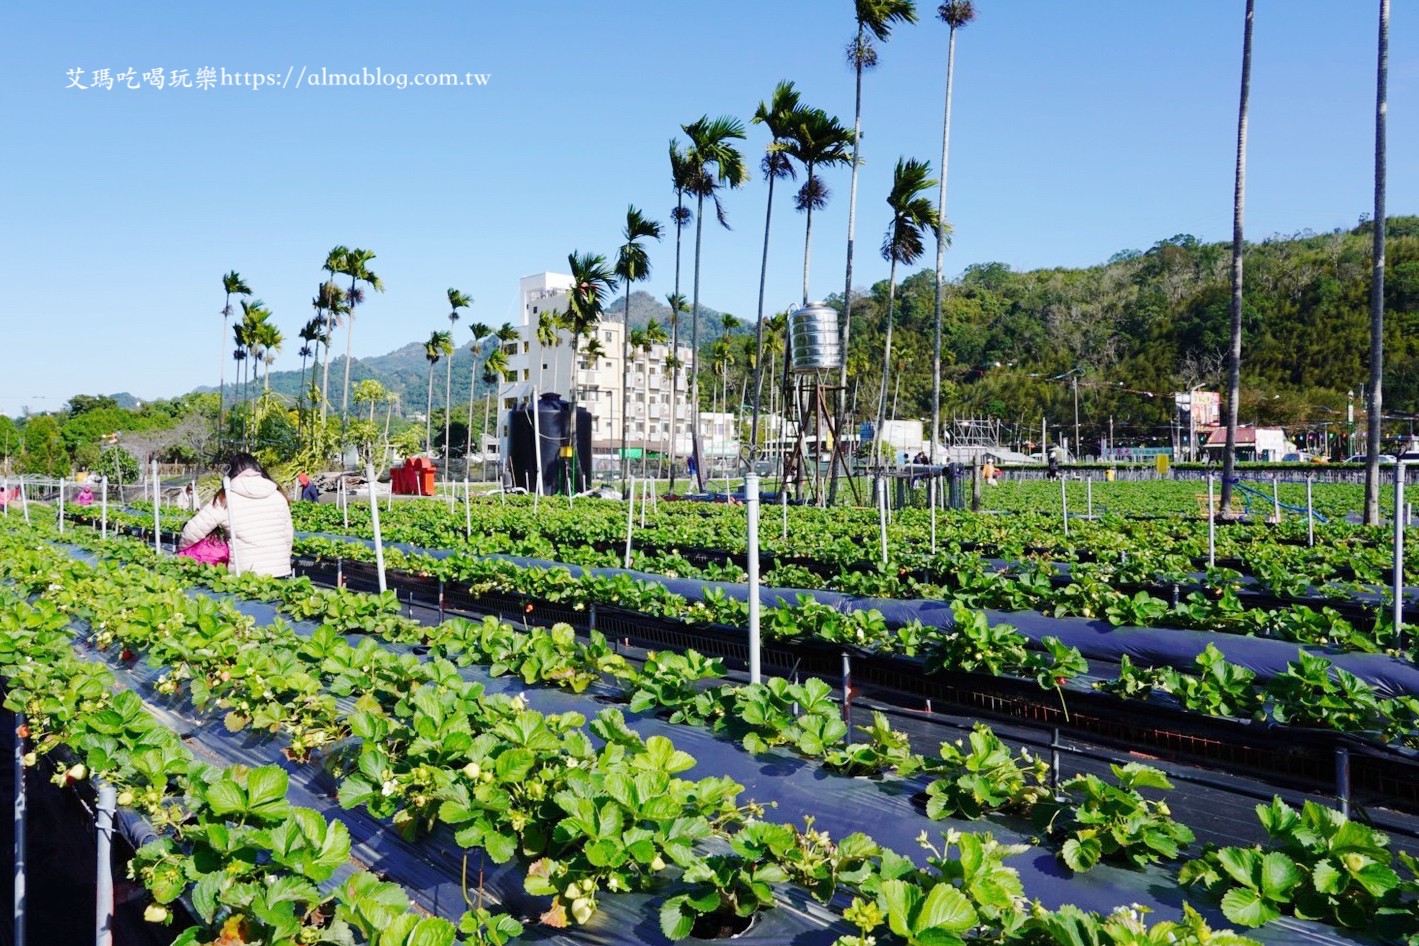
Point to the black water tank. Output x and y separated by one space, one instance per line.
554 423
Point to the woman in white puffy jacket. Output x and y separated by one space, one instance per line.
259 520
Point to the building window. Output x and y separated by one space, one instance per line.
525 347
534 310
527 374
609 337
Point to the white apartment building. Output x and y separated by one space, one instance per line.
537 368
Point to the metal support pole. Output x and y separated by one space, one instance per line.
1211 523
847 692
1399 554
61 505
882 515
374 520
1089 495
232 563
467 511
1054 772
751 505
19 776
1064 501
1342 779
345 502
1275 499
24 501
103 872
157 521
103 508
5 495
931 496
630 520
1310 513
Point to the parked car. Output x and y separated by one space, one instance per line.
1361 458
1302 457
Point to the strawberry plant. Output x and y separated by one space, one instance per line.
1095 820
987 777
1318 865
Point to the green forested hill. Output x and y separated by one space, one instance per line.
1138 327
1154 322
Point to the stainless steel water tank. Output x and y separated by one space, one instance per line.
813 330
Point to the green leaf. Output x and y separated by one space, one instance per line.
1279 876
431 931
1246 908
946 908
1081 854
676 917
266 792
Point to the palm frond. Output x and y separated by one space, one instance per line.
879 16
956 13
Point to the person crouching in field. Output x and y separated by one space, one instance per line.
256 512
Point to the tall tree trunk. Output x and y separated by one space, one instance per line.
222 365
941 250
325 374
1377 285
645 407
473 383
1234 362
429 414
675 344
807 239
846 331
886 363
759 325
483 438
695 354
626 358
576 454
447 412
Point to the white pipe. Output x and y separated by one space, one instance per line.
751 504
157 519
931 497
1275 498
103 508
536 449
24 501
630 521
1399 554
19 779
103 873
467 511
1211 525
1310 513
1089 495
882 515
345 501
231 527
61 505
374 519
1064 500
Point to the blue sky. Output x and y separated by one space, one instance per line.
1079 129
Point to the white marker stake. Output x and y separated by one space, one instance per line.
1211 526
1310 513
882 515
1399 553
61 505
24 501
157 501
467 512
931 501
378 538
1089 495
232 565
751 504
1064 501
630 522
103 509
1275 498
